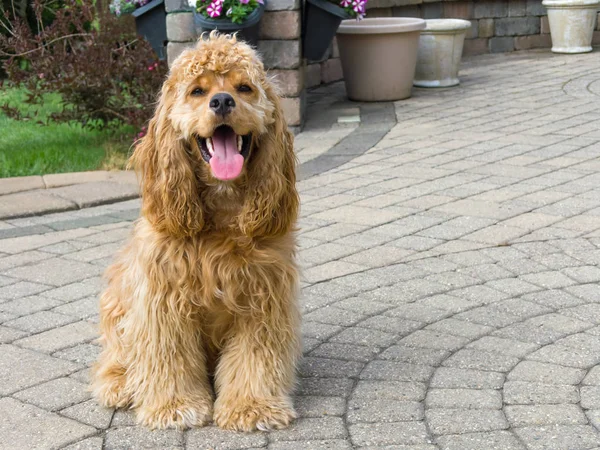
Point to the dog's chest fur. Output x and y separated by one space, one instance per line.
223 203
212 269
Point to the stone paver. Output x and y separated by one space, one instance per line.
28 427
122 438
55 394
20 368
29 196
32 203
450 277
18 184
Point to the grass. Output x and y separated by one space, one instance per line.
30 148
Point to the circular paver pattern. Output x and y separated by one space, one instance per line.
583 86
490 349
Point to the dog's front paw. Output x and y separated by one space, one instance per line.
180 414
254 414
110 391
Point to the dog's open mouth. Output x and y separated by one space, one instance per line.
225 151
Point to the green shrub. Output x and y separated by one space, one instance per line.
104 73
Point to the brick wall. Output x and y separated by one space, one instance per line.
497 26
279 45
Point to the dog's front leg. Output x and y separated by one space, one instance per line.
256 371
166 370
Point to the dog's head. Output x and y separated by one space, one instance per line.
218 122
221 102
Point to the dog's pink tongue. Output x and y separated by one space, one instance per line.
226 162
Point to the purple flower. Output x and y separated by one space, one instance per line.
245 2
261 2
214 9
359 6
345 3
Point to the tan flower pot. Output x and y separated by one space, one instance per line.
571 24
440 51
379 57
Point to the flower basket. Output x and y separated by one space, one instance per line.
150 21
247 31
322 21
230 16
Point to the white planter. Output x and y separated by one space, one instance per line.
440 50
572 24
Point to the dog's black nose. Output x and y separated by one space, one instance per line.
222 104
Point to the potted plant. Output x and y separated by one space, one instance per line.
571 24
322 19
230 16
379 57
150 20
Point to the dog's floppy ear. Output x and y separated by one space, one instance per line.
271 204
170 196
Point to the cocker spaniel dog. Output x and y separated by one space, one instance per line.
204 294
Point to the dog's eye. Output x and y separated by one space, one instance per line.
244 88
197 92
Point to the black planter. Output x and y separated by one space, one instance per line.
151 23
247 31
322 21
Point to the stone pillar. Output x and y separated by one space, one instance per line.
280 47
181 32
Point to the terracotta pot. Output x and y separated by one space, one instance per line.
379 57
440 51
571 24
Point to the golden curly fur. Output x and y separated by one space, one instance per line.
205 291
